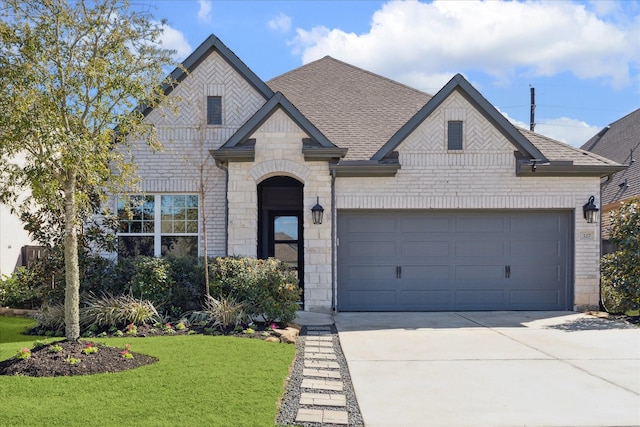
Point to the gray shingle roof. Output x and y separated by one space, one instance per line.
354 108
616 142
558 151
362 111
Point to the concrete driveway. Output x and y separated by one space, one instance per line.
492 369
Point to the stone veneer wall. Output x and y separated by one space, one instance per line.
481 176
278 152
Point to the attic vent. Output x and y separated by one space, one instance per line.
214 110
454 135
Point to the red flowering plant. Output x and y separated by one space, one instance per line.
23 353
89 348
126 353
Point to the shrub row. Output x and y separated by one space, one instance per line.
266 289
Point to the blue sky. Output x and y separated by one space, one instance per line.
582 57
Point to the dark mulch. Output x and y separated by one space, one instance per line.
45 363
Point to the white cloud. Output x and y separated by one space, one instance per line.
570 131
417 43
281 23
204 13
564 129
175 40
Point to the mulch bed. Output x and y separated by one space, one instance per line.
45 363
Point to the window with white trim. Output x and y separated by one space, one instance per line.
158 225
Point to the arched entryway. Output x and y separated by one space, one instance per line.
280 228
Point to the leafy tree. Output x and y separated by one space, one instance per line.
621 269
72 75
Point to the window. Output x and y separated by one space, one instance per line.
158 225
214 110
454 135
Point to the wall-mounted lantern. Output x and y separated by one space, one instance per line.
590 211
317 212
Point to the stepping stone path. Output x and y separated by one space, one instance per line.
323 400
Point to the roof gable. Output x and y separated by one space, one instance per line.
354 108
318 147
213 43
459 83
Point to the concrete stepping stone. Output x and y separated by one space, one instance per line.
321 373
328 344
320 338
323 399
322 416
318 350
322 384
319 364
320 356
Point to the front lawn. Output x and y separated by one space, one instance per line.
199 380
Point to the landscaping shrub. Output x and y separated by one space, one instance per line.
20 291
50 318
266 288
187 292
224 313
621 269
118 311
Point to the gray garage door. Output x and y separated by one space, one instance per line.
416 261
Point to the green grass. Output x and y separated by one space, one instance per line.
199 380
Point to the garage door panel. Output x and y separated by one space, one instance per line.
368 223
424 298
542 248
418 273
433 224
536 224
541 275
535 297
446 260
478 273
437 248
368 248
371 299
479 248
370 273
480 297
479 224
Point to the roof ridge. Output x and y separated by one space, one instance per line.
330 58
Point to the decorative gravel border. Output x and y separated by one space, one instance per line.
290 403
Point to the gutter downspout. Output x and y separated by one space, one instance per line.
225 168
334 251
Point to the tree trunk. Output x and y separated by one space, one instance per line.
72 273
204 233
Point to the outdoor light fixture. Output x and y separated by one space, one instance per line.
590 211
317 212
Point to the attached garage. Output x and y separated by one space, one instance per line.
453 260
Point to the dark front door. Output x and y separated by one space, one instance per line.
280 228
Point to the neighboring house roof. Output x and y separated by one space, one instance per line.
354 108
616 142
